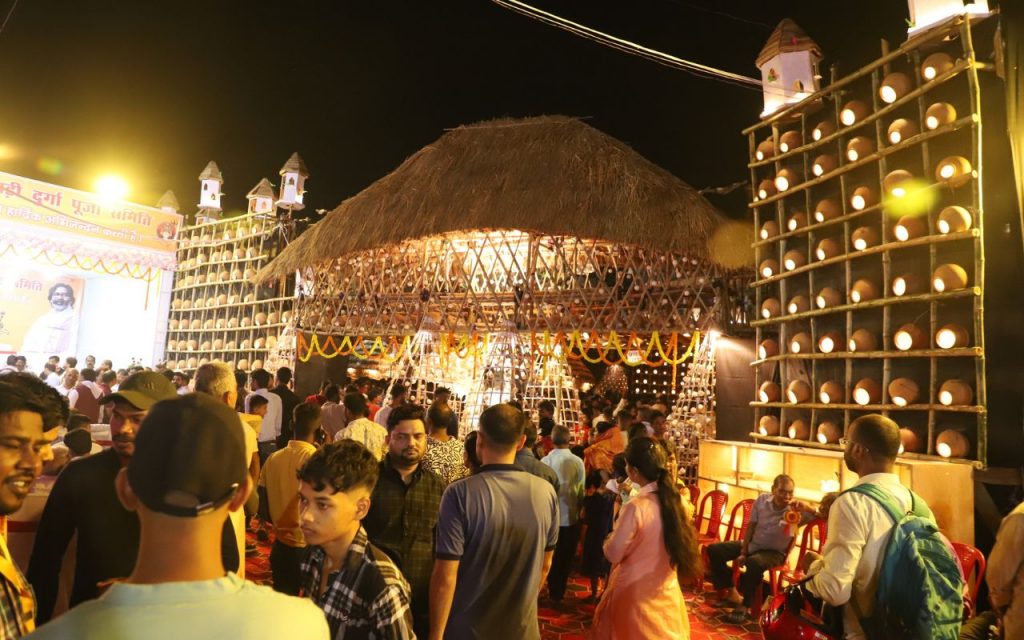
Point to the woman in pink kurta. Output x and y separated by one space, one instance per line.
650 548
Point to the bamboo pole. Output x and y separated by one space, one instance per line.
979 246
882 248
963 352
881 406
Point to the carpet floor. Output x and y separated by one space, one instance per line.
570 619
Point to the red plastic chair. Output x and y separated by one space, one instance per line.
708 523
709 516
973 562
694 493
736 531
812 539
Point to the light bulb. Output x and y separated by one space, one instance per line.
899 286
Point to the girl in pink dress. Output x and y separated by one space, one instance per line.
652 547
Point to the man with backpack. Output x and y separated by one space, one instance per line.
885 561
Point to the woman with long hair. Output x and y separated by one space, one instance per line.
652 547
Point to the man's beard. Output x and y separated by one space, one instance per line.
411 456
123 439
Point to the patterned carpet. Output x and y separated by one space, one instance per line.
570 619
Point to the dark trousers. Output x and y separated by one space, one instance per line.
561 560
756 564
977 628
265 449
286 567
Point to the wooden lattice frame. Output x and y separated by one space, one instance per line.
961 136
237 322
693 414
487 280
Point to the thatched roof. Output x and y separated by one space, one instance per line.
168 200
296 165
787 37
211 172
552 175
262 190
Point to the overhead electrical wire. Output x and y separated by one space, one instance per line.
10 13
632 48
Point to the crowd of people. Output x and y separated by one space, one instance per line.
383 523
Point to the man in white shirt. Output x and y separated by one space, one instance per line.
399 394
85 396
858 526
270 430
332 413
56 331
360 428
50 376
571 475
180 380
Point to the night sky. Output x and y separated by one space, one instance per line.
155 92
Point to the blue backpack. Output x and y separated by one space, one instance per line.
920 589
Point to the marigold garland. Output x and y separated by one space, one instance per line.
576 345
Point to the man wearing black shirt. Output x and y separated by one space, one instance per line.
288 403
404 508
83 500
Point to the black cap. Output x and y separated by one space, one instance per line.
188 456
143 389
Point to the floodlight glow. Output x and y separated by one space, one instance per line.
111 187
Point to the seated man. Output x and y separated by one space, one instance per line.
767 540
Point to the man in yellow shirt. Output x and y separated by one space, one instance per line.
279 498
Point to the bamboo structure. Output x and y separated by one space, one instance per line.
505 238
693 414
217 313
891 194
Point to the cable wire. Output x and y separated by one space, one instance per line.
10 12
626 46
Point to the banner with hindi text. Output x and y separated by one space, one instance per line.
64 211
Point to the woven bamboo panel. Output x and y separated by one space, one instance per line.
876 193
488 280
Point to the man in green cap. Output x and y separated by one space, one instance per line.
84 501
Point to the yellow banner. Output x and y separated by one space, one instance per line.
69 211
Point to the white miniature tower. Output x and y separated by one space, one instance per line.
789 67
293 183
261 198
209 194
168 202
926 13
